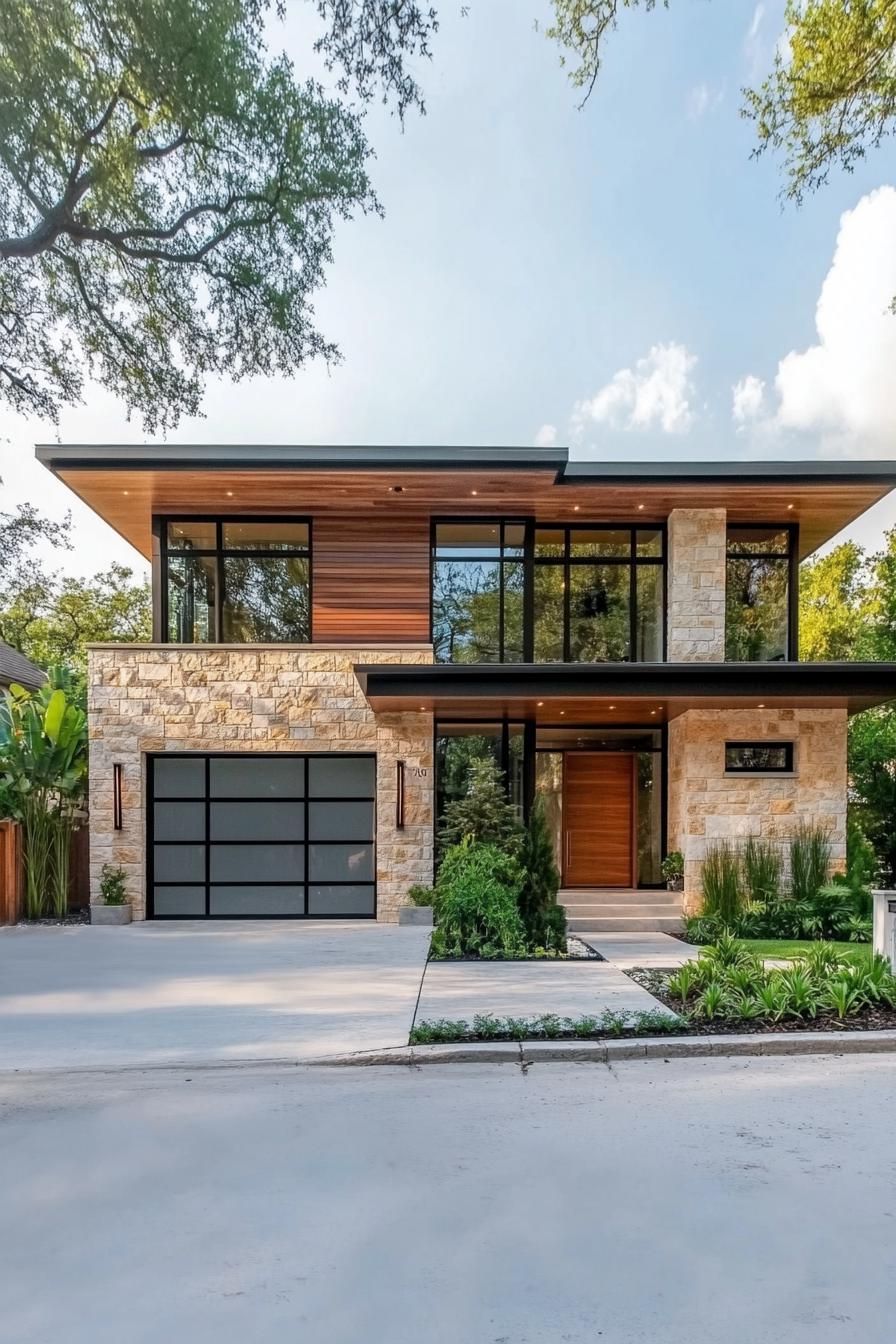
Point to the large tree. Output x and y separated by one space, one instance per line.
168 190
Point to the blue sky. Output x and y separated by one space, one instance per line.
604 277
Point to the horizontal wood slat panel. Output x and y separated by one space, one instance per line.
598 819
370 578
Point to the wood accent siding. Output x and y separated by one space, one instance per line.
370 578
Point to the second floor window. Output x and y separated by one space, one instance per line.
512 591
236 580
758 595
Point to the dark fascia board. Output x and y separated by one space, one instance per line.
753 681
810 472
307 457
397 457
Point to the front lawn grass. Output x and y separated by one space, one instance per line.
860 953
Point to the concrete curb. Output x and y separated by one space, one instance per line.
609 1052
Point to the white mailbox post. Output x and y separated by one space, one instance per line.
885 925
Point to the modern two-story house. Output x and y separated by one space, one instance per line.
338 631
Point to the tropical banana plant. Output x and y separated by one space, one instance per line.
43 769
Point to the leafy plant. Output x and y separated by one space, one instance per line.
43 764
711 1002
762 869
112 885
699 929
723 894
419 895
858 929
672 866
439 1031
842 996
476 907
684 982
810 861
798 992
726 952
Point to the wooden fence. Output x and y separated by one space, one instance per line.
12 878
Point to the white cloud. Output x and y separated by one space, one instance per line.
756 22
700 99
748 399
546 436
656 393
843 386
755 48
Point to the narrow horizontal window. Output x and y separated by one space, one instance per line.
758 757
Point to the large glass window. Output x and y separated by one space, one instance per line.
757 605
237 581
478 583
516 592
459 744
598 595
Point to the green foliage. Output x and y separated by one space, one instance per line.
477 911
579 28
699 929
672 866
546 1027
723 895
543 919
43 767
484 814
113 888
810 861
169 190
762 869
418 895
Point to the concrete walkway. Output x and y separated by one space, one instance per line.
460 990
188 991
650 950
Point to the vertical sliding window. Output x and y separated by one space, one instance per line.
237 580
758 594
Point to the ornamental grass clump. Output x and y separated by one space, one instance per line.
763 869
810 861
723 894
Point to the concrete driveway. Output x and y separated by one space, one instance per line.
161 993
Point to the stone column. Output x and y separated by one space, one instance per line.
696 586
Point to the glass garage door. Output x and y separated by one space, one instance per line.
255 836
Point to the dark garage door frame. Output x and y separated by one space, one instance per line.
306 801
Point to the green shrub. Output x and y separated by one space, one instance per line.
810 861
477 911
702 929
484 814
723 894
762 869
421 895
112 885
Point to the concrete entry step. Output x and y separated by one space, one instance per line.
625 924
639 909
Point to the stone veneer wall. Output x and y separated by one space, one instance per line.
705 804
696 586
153 698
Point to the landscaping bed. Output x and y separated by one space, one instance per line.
576 950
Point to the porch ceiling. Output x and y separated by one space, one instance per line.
622 693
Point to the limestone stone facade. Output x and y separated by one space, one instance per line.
157 698
696 586
706 805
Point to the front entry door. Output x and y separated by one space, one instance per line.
598 819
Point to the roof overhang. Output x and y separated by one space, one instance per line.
127 483
607 693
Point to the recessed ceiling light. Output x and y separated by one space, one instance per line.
612 706
423 708
540 703
396 489
474 492
125 492
563 711
653 711
575 508
761 706
640 506
790 506
230 494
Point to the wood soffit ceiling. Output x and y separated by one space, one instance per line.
127 498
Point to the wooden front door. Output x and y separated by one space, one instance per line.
598 819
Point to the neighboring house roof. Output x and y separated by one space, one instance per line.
16 667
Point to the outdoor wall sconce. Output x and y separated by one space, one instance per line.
399 795
116 796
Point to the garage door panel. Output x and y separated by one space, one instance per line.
250 843
182 902
256 900
256 777
179 821
257 821
256 863
340 821
179 863
341 900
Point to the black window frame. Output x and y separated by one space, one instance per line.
792 557
567 561
501 559
782 745
220 553
206 800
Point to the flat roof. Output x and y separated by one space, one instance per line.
127 484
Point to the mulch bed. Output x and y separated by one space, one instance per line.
867 1019
73 917
576 951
